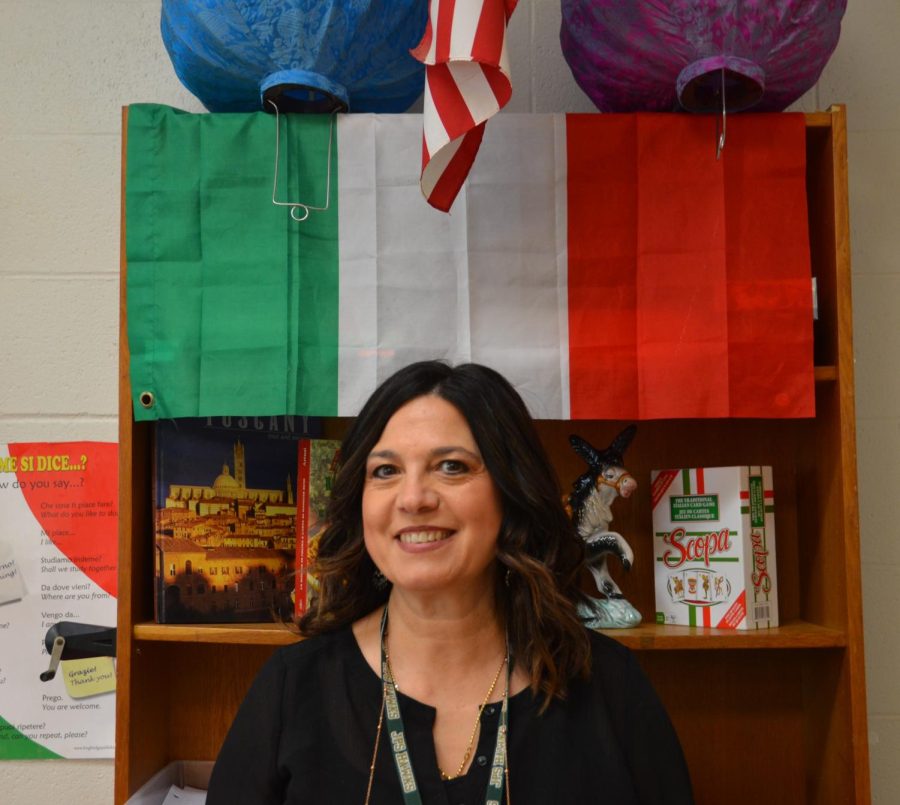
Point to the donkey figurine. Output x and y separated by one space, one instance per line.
589 505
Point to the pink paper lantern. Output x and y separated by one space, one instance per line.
662 55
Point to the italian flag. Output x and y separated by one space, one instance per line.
608 265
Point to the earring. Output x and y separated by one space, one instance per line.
379 580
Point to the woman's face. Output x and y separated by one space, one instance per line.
431 513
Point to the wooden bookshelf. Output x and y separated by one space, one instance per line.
777 714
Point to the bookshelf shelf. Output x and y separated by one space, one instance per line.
647 637
795 694
796 634
262 634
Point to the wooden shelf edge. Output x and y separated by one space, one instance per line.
792 635
261 634
818 120
823 374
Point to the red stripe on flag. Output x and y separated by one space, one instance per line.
444 25
447 187
602 218
448 101
681 319
420 51
678 290
489 35
770 322
707 616
701 482
499 84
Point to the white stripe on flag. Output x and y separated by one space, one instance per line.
466 16
433 9
435 136
504 57
475 89
441 159
358 274
486 283
512 245
561 191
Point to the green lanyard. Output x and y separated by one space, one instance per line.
397 736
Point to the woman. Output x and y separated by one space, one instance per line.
446 663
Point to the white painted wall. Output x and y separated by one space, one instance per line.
66 68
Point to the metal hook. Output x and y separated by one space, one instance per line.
720 135
297 205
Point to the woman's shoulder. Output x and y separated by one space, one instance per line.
296 675
613 665
604 647
299 657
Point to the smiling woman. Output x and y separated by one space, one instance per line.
431 513
446 661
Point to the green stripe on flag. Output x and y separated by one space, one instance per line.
686 482
232 305
313 255
14 745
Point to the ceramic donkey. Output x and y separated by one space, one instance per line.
590 506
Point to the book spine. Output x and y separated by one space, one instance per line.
304 454
159 599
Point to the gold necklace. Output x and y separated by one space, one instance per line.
468 750
377 740
471 744
384 693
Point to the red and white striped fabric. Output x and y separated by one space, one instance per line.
466 82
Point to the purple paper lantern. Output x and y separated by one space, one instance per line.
657 55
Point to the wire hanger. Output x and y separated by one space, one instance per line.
298 205
720 135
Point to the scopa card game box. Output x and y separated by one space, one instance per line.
714 547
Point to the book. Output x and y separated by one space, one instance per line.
225 517
714 546
318 462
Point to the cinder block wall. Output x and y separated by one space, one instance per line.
67 67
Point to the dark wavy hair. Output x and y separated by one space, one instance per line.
537 544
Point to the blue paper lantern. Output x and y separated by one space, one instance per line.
305 55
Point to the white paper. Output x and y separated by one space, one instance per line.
185 796
11 586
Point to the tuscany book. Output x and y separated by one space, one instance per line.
226 517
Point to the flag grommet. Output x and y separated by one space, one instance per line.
147 399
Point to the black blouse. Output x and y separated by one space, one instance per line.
305 734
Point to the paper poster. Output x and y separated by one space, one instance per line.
58 568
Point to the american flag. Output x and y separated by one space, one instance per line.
466 82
